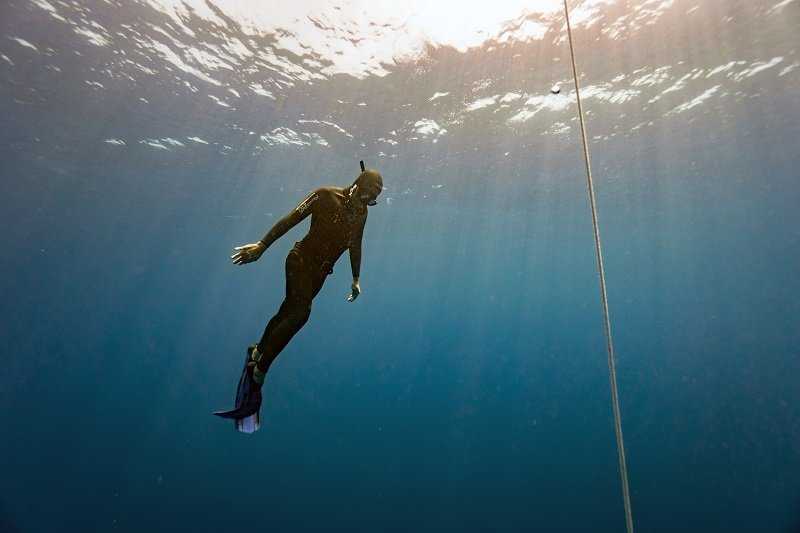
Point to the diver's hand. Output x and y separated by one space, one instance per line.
248 253
355 291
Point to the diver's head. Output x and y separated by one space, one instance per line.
368 186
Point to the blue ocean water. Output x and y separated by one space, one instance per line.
467 389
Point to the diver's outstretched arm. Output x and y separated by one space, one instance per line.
355 261
252 252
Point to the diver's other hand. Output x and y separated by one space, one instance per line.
248 253
355 291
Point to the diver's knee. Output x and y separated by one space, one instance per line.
299 315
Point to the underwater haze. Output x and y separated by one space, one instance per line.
467 389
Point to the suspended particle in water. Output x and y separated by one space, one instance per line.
555 89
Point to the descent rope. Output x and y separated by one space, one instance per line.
623 469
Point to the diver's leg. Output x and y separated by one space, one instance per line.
294 285
274 321
316 284
293 313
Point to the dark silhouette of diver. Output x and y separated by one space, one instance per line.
338 216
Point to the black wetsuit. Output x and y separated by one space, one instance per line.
337 224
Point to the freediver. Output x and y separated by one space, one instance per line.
338 217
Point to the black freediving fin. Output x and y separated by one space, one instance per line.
246 413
